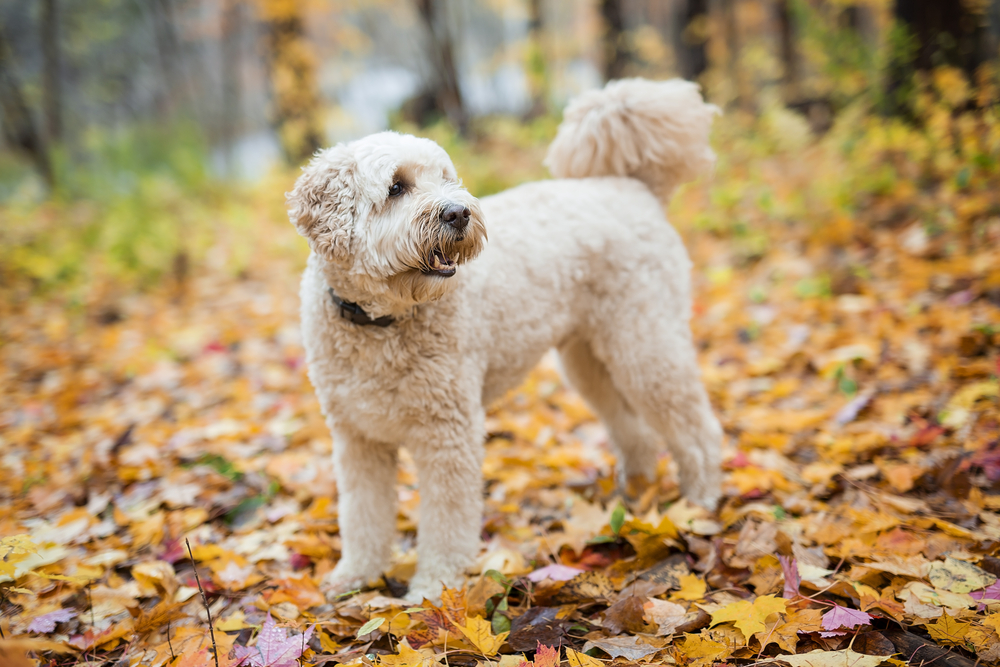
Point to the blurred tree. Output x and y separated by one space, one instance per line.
295 93
617 54
51 76
537 65
443 95
19 129
789 59
690 36
169 55
932 33
230 112
742 96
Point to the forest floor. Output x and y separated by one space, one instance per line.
155 442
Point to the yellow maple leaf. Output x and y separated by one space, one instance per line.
784 634
948 630
237 621
17 544
577 659
692 588
750 618
703 651
480 633
407 657
993 620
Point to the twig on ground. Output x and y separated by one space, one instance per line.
3 601
172 656
90 599
204 599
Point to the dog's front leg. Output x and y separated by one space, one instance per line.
366 485
449 467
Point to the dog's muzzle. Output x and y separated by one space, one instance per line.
454 217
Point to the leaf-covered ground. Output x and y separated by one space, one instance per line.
153 443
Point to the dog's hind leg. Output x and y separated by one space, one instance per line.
636 445
654 363
366 483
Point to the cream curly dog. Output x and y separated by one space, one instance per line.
413 322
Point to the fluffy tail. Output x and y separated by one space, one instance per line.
655 131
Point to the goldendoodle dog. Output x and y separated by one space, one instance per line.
413 321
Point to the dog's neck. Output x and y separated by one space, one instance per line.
374 306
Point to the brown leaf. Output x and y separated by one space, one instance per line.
873 643
626 615
630 648
538 625
590 585
159 616
480 593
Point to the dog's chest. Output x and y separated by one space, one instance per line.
386 384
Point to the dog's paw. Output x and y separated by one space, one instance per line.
420 592
430 587
708 499
340 582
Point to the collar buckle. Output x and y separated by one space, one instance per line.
356 314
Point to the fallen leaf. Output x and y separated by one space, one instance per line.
948 630
692 587
480 633
371 626
546 656
844 618
407 657
703 651
959 576
625 615
845 658
554 572
749 617
578 659
47 622
667 616
273 647
629 648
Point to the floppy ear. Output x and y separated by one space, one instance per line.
323 203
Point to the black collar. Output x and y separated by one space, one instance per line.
357 315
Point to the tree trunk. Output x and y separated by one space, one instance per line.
616 51
294 89
51 81
445 92
19 128
231 115
789 60
938 33
169 56
689 38
742 96
537 64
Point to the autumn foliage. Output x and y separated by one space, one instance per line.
848 321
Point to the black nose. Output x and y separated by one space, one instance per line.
456 216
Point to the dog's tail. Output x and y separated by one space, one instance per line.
655 131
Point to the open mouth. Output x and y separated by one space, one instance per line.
439 264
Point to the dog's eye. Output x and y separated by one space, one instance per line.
395 190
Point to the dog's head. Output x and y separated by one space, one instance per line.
389 216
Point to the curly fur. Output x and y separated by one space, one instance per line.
586 264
